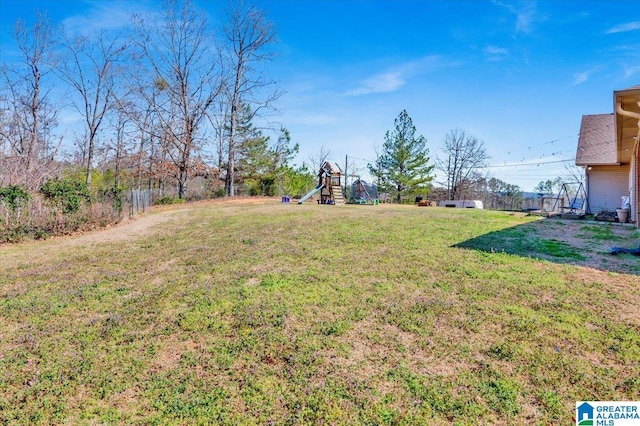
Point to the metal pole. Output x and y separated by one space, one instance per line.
346 173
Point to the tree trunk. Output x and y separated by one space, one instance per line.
232 141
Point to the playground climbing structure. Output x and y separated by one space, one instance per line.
329 186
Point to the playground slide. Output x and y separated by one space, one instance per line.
310 194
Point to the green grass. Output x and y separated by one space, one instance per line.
523 240
605 232
287 314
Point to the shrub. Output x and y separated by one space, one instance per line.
13 234
14 212
14 196
113 196
66 193
218 193
62 206
169 200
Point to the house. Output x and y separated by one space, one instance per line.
608 151
606 178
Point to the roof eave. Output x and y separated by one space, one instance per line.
618 96
587 164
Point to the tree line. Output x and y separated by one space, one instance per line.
170 105
170 102
404 170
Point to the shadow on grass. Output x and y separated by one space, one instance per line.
563 241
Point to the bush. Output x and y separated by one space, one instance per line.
66 193
113 196
62 206
14 196
14 234
169 200
13 214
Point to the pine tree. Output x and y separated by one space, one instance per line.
261 166
253 157
403 167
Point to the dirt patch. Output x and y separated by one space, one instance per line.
575 242
125 230
593 240
170 354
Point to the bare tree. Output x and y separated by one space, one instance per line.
352 171
318 159
219 118
473 187
249 36
137 102
550 186
502 195
185 73
27 115
122 124
464 154
90 67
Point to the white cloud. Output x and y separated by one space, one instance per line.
103 15
424 64
580 78
630 71
525 12
631 26
396 77
495 53
495 50
379 83
526 16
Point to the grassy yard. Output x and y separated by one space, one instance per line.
261 313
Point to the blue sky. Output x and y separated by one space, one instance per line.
518 75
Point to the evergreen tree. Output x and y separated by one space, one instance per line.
261 166
254 164
297 181
403 167
253 157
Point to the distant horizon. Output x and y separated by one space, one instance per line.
517 75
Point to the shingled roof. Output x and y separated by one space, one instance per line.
597 142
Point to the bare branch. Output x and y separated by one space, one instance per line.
249 36
466 154
180 76
89 66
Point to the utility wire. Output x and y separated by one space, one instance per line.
530 162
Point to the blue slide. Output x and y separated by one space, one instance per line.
310 194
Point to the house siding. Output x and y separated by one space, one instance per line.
606 184
634 203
